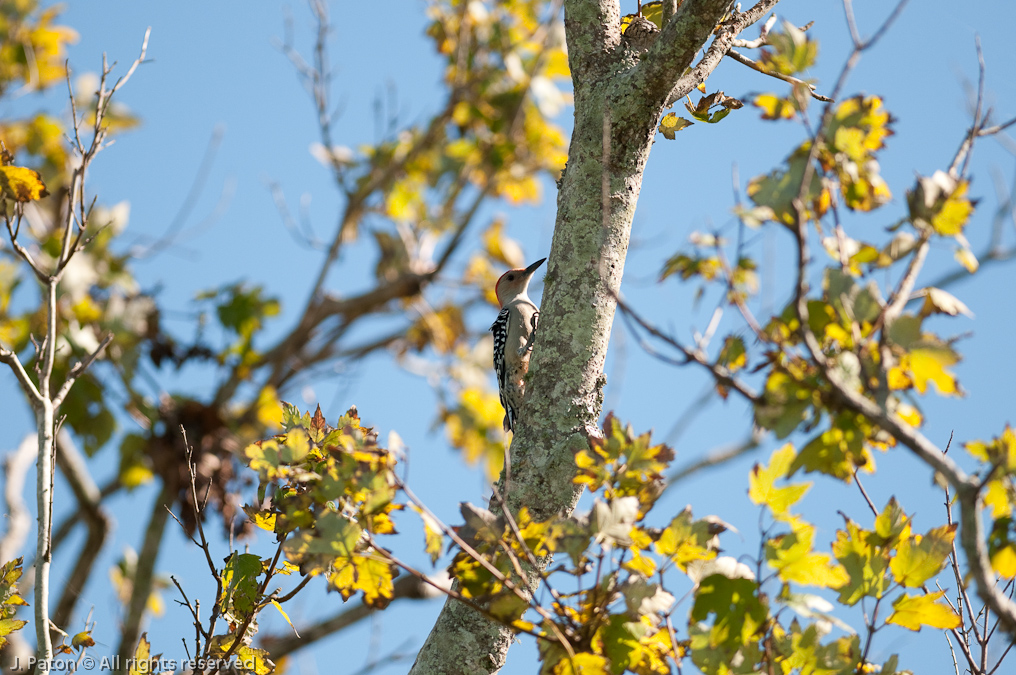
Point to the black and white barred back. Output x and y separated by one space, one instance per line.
500 330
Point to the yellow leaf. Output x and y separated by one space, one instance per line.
474 427
910 415
556 64
919 559
371 575
581 664
269 408
671 124
792 556
21 184
762 488
263 519
774 108
997 496
928 364
285 616
685 541
912 612
405 200
966 257
433 537
641 564
141 664
254 660
1004 561
955 212
135 475
519 190
861 555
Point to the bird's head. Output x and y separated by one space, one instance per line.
514 283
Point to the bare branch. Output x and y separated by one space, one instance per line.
19 522
27 386
998 128
22 252
967 146
144 572
761 40
741 58
719 373
80 368
75 470
717 50
715 459
134 66
406 588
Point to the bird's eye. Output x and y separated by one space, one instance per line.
511 277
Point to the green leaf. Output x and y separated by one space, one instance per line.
791 51
733 356
739 613
240 585
838 451
508 607
779 190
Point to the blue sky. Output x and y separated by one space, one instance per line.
214 67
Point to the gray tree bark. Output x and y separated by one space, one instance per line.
620 89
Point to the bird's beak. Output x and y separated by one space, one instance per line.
532 268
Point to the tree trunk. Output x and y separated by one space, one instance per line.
619 96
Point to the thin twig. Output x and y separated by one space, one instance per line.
754 65
871 505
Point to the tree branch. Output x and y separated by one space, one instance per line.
717 50
406 588
676 46
75 470
16 465
78 369
27 386
144 573
593 30
742 59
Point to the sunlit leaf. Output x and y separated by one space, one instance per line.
913 612
918 558
21 184
791 555
774 107
141 663
762 483
671 124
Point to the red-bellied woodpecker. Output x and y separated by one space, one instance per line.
514 331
